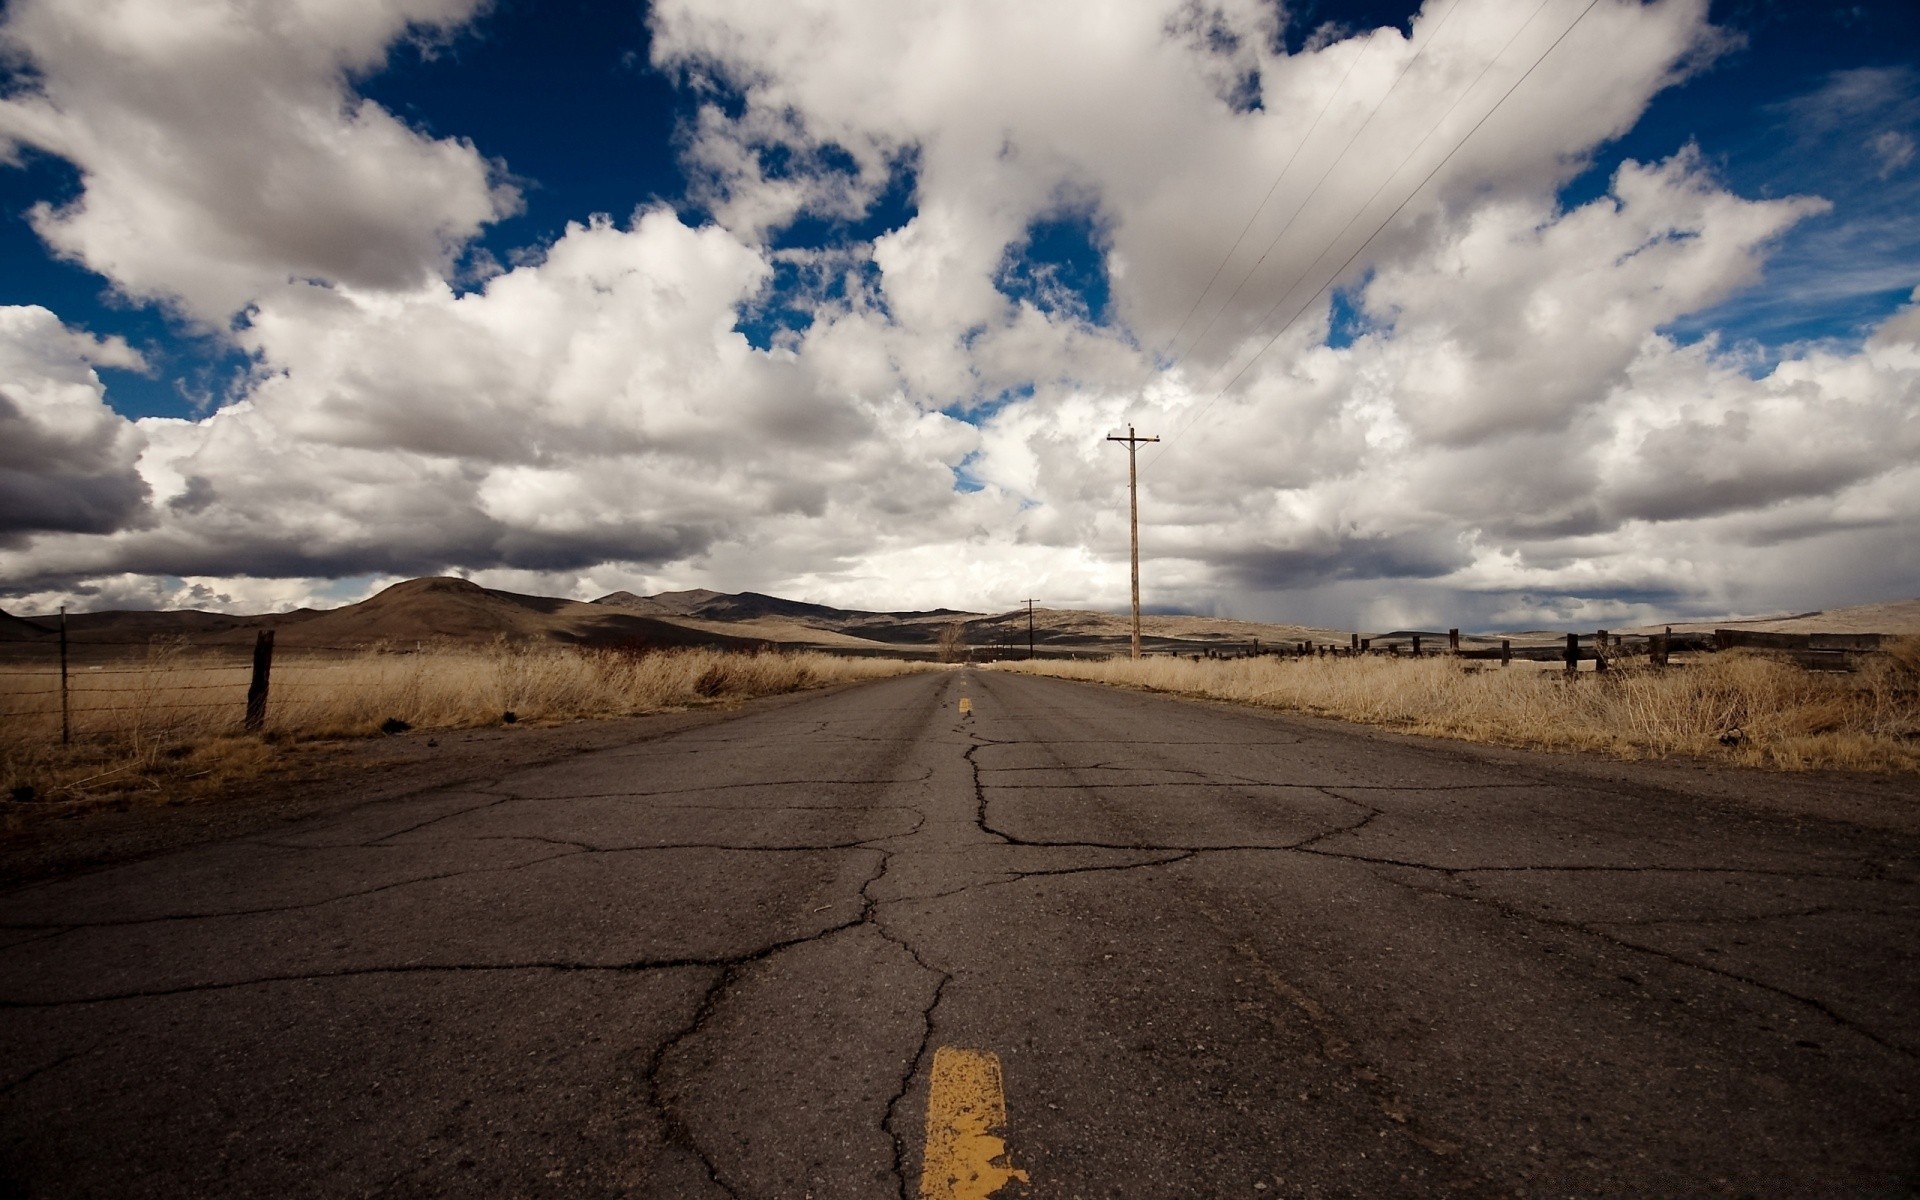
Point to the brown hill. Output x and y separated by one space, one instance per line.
140 627
1899 617
629 602
448 609
678 604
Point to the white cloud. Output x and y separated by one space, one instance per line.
221 152
1893 148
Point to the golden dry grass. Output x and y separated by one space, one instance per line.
1738 707
171 721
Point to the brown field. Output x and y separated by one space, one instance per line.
1736 707
171 721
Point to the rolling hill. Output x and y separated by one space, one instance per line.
441 609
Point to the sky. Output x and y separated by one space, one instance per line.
1476 313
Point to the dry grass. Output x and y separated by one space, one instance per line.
170 724
1737 707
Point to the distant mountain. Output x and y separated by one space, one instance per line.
449 609
1900 617
673 604
444 608
141 626
417 610
720 606
629 602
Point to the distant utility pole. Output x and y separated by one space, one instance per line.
1029 605
1133 442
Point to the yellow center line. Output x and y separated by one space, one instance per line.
966 705
966 1159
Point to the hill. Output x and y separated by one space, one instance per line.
444 609
1900 617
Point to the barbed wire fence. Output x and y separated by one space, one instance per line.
56 690
63 690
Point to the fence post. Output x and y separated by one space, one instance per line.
1366 645
66 724
1573 653
1353 644
1600 650
1453 642
1658 651
1506 651
1416 645
262 673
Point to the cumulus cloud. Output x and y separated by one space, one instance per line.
222 153
67 460
1505 430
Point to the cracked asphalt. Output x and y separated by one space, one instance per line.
1218 952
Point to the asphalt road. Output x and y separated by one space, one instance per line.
1217 953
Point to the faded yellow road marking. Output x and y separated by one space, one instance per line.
966 1110
966 705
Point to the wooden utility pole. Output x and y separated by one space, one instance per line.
1133 442
1029 605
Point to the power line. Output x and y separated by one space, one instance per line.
1324 176
1378 229
1261 207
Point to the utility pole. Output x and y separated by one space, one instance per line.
1133 442
1029 605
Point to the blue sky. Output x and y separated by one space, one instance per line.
893 272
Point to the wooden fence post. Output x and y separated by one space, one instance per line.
1506 651
262 674
1353 644
1366 645
1658 650
66 724
1453 642
1573 653
1416 645
1600 650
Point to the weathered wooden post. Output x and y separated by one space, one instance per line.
262 674
1366 645
1453 642
1600 650
1658 651
1573 653
1416 645
66 724
1354 644
1506 651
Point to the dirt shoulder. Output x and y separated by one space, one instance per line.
1870 800
319 777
